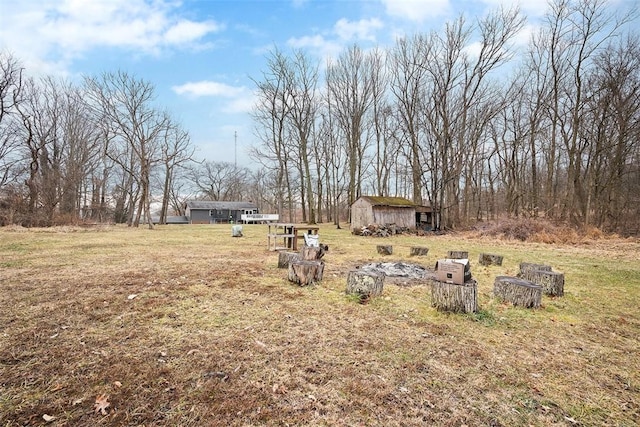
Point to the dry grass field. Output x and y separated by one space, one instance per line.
187 326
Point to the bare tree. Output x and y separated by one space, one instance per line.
220 181
350 93
137 125
270 115
177 151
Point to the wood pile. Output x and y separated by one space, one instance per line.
380 230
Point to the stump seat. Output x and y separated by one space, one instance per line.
518 291
418 251
384 249
364 284
305 272
454 298
490 259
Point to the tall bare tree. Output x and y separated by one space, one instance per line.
137 125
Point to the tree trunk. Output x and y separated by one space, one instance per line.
385 249
306 273
526 267
454 298
458 255
490 259
418 251
518 291
365 285
286 258
311 253
552 282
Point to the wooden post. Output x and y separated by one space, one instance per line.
285 258
490 259
458 255
385 249
365 285
518 291
455 298
418 251
552 282
305 273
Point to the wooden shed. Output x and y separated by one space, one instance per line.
383 210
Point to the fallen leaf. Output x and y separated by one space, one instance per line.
117 384
102 403
48 418
77 401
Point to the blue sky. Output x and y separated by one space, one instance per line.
201 54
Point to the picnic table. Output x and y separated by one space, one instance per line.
284 236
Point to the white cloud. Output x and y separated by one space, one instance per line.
318 44
208 88
416 10
40 30
359 30
187 31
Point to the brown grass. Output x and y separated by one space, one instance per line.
187 326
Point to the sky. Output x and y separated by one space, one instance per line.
202 56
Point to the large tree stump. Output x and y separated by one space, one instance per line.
418 251
458 255
518 291
311 252
364 284
455 298
490 259
552 282
526 267
385 249
306 273
285 258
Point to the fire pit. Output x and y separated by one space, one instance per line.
399 273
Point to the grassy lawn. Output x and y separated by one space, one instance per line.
187 326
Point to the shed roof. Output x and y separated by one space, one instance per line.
399 202
210 204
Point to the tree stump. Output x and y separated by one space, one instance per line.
285 258
490 259
552 282
454 298
418 251
365 285
526 267
385 249
305 273
458 255
518 291
310 253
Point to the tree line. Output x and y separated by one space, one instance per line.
462 120
102 150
